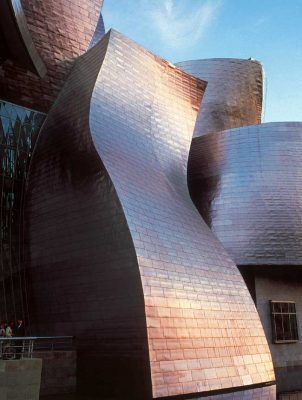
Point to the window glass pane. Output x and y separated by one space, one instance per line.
283 307
278 327
277 307
284 321
286 327
293 324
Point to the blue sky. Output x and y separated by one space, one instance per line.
267 30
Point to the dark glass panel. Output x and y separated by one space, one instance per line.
278 327
277 307
19 128
284 321
286 327
294 328
285 307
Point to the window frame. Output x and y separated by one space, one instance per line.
273 313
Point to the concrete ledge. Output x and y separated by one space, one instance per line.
20 379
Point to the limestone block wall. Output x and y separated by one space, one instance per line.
20 379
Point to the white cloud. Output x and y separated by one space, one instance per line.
168 6
180 22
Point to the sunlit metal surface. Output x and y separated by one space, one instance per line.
234 93
119 255
246 183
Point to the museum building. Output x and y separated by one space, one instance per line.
100 238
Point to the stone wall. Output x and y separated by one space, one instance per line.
20 379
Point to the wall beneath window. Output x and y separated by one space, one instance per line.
287 358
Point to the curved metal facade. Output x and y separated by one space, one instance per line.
246 183
234 94
60 31
119 255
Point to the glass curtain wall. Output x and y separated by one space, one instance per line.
19 128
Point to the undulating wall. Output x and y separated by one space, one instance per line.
234 94
119 256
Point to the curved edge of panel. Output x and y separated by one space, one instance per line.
234 95
246 184
19 44
99 32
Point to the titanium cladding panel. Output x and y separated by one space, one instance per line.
16 40
60 31
234 94
119 255
246 183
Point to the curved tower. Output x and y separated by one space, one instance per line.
234 93
246 183
119 256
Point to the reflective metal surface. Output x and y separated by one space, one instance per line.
119 256
234 93
19 45
246 183
53 33
265 393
